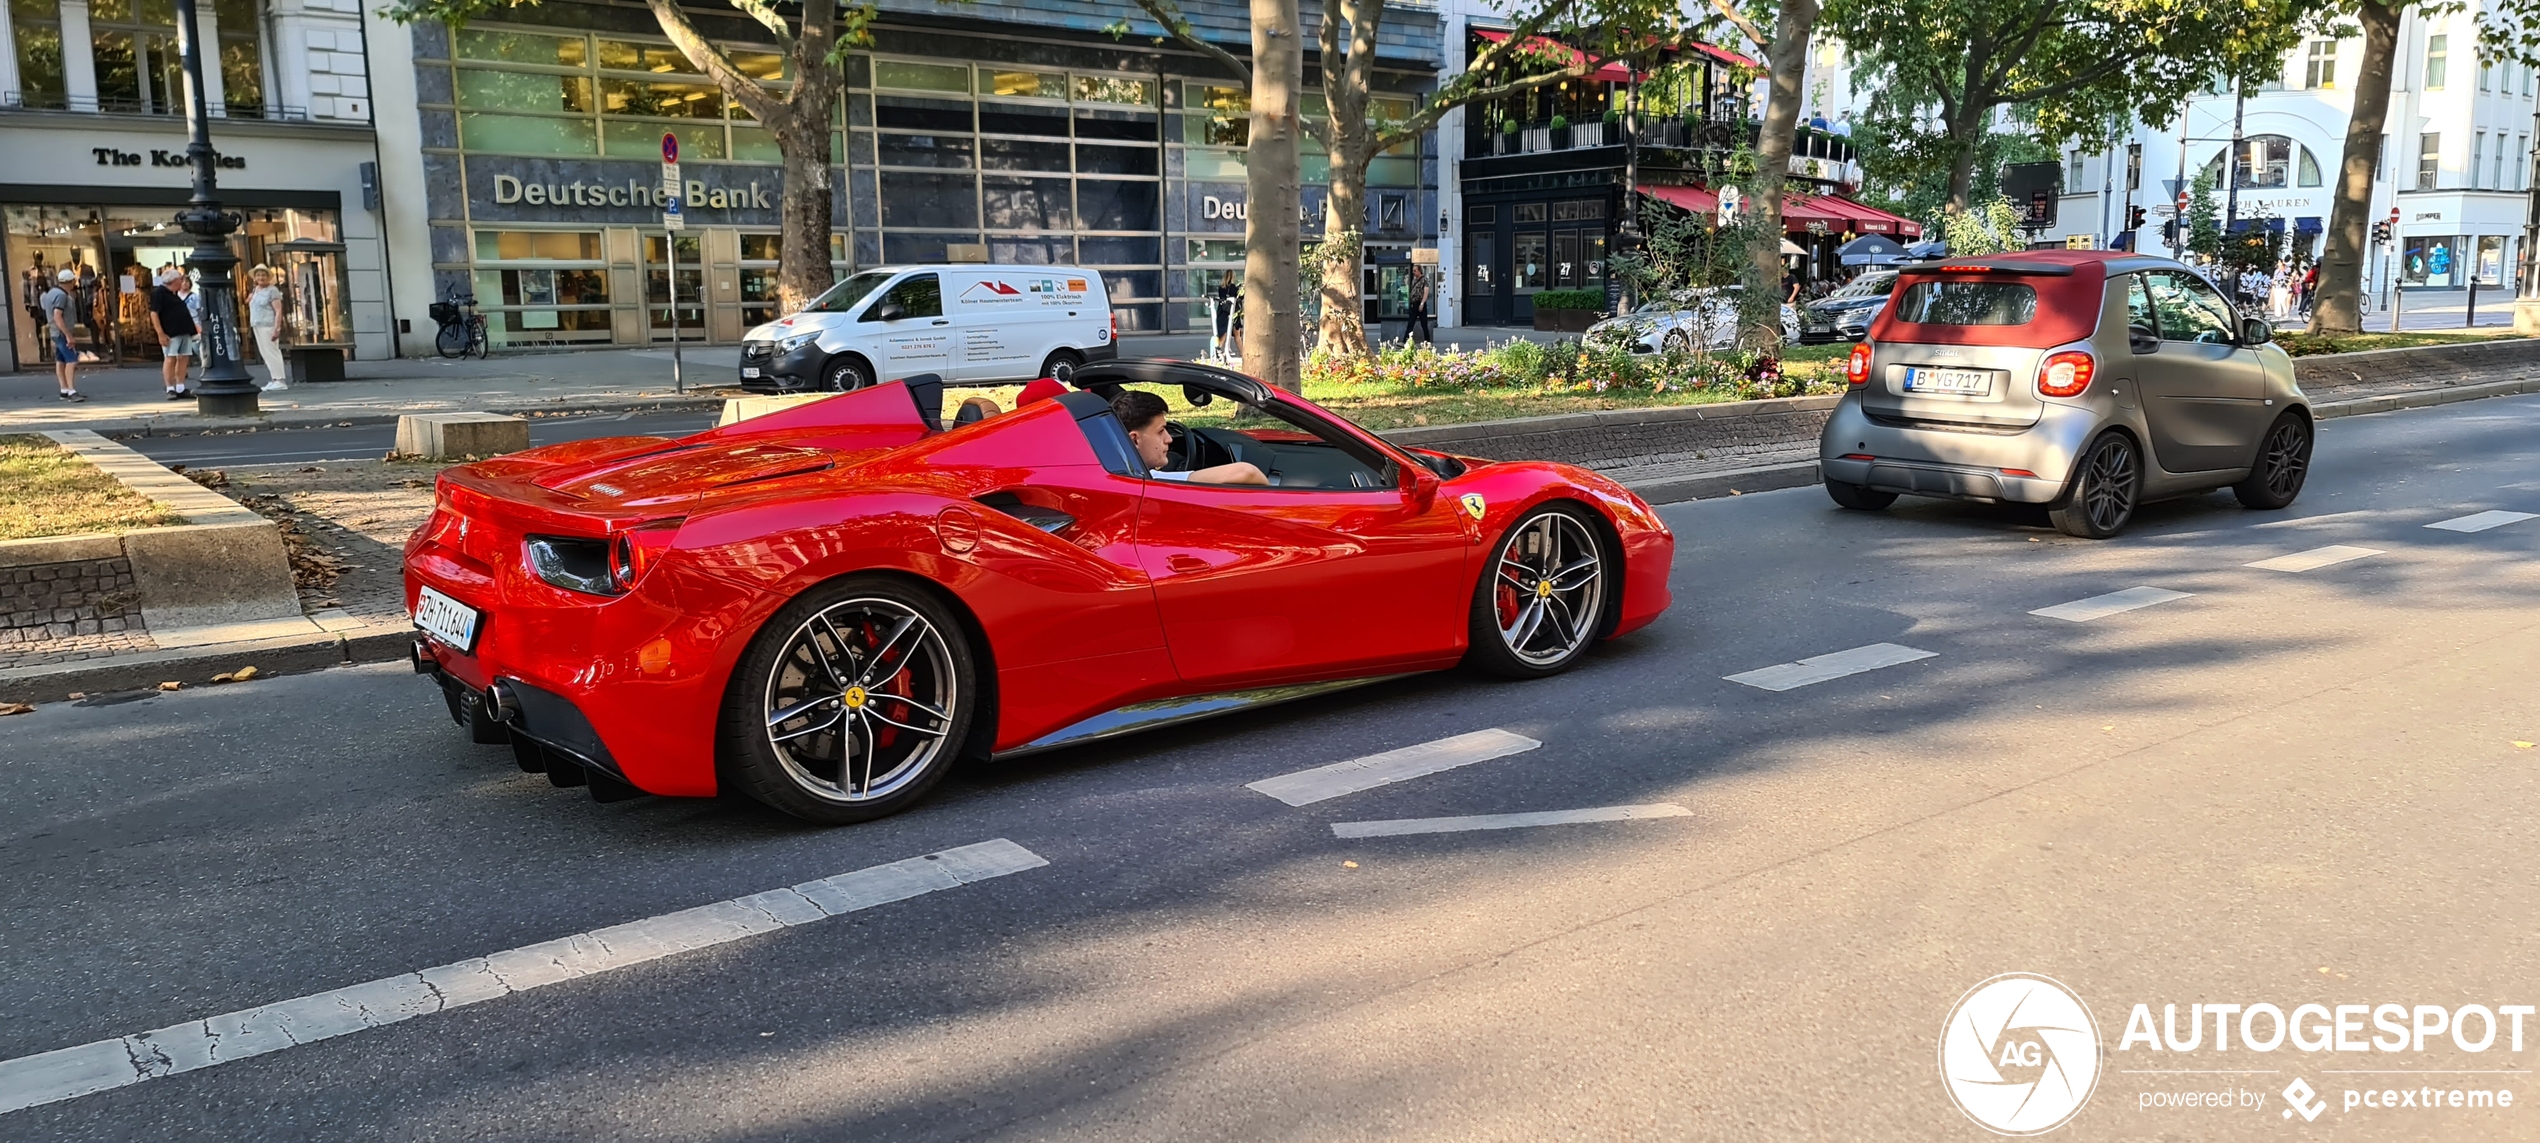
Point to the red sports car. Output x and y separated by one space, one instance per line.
828 606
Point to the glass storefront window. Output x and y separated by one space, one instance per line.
660 98
527 135
524 91
1222 166
522 48
914 76
1216 116
692 282
1531 264
1115 89
537 304
537 246
624 55
1022 84
636 139
118 254
2491 260
38 24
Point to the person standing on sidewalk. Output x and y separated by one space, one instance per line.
174 322
55 305
264 315
1419 325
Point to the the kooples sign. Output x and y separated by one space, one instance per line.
118 157
633 192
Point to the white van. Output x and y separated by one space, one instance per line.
969 324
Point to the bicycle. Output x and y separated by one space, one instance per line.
462 328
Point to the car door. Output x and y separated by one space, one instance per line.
2203 392
1259 585
908 332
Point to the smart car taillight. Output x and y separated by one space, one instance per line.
1856 369
637 550
2065 374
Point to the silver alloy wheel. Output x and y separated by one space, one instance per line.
860 700
1549 594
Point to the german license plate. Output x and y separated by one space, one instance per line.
447 619
1963 382
749 371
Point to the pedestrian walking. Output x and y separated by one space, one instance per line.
55 306
173 321
1420 325
264 316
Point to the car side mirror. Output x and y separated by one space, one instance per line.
1419 485
2256 331
890 311
2142 340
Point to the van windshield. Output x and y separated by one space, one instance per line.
842 297
1966 303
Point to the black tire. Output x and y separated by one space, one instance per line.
2284 463
1675 342
773 743
452 340
480 339
1859 497
2104 490
1062 364
1557 538
845 374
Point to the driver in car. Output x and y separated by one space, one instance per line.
1142 414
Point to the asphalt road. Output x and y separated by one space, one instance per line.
2284 788
369 442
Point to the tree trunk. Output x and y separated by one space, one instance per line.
1273 342
1962 168
803 266
1343 331
1786 61
2338 307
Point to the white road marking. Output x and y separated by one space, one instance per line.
2315 559
2481 521
1306 787
68 1073
1792 676
2115 602
1397 827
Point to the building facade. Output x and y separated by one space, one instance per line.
1024 130
93 127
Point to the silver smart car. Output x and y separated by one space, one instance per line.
2086 381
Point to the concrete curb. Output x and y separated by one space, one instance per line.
311 418
2424 398
195 666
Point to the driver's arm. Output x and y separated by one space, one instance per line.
1240 472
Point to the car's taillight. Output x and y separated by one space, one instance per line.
637 550
1115 326
2065 374
571 563
1856 368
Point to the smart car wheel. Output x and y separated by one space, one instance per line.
845 375
850 704
1858 497
1542 600
2284 462
2100 499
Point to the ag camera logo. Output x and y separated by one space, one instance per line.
2020 1054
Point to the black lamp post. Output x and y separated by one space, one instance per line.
226 389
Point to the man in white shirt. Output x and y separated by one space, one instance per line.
1143 415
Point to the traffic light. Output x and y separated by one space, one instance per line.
2134 218
2381 231
2169 233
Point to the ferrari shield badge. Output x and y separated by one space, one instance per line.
1474 505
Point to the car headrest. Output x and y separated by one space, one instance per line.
926 390
1041 390
975 410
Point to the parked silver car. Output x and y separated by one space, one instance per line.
1699 318
1846 314
2086 381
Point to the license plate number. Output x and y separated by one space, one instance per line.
447 619
1964 382
749 371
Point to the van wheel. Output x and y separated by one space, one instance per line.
845 375
1062 365
1858 497
2100 500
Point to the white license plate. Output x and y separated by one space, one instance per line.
1965 382
749 371
447 619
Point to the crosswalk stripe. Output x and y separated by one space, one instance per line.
1835 665
2113 603
1398 827
1306 787
2481 521
2315 558
68 1073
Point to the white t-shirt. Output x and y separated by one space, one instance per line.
264 306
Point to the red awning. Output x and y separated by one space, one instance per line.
1798 210
1724 55
1897 224
1695 199
1609 73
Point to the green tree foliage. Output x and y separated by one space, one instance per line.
2204 217
1903 174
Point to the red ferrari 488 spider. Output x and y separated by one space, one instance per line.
829 606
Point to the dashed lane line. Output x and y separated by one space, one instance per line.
69 1073
2315 558
1398 827
1306 787
2481 521
1834 665
2113 603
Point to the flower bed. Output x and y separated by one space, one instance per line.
1526 368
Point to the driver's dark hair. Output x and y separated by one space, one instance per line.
1137 409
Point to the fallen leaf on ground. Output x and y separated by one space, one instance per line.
8 708
78 695
240 675
2524 745
1349 865
171 686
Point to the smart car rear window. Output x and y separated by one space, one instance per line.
1966 303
